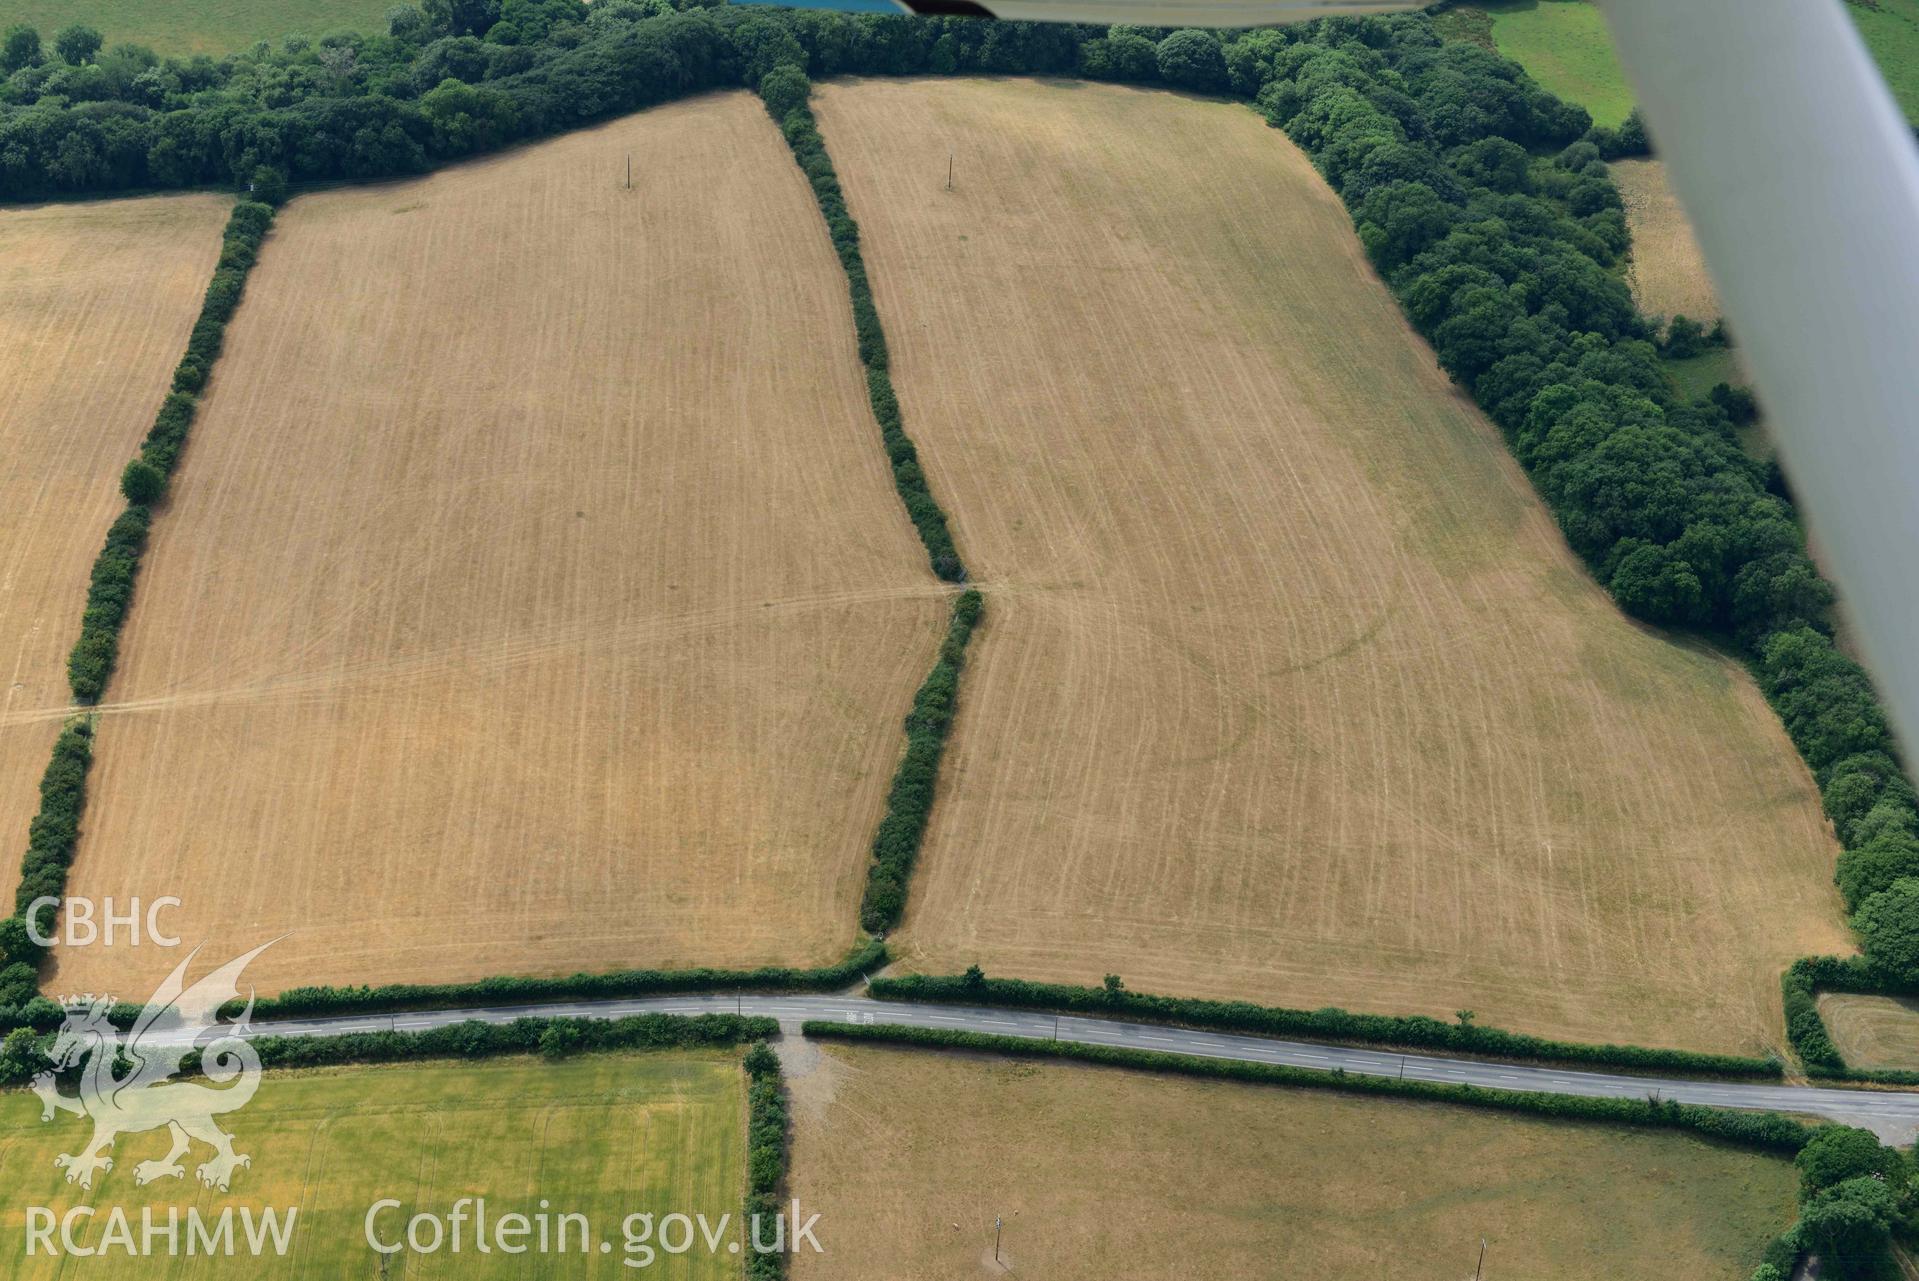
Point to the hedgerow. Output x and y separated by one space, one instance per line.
1806 1029
302 1002
1767 1131
56 828
1855 1193
475 1039
51 838
767 1132
785 90
321 1002
471 1039
909 802
1399 1031
110 591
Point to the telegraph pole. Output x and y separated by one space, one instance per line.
629 171
1482 1259
949 169
996 1226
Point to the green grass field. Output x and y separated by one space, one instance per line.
1564 45
1891 29
198 26
604 1136
1697 375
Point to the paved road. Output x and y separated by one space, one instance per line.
1893 1115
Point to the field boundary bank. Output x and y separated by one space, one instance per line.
1332 1025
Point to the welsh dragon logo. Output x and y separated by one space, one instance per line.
126 1086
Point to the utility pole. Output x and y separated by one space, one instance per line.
1056 1027
996 1224
1402 1067
949 169
629 171
1482 1259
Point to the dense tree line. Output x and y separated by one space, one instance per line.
1486 205
1465 1036
1855 1195
451 79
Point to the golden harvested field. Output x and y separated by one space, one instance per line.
1668 273
1873 1031
1288 688
533 595
95 304
1099 1173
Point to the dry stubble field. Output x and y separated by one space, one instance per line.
1668 273
1100 1173
1873 1031
95 304
1288 688
533 595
